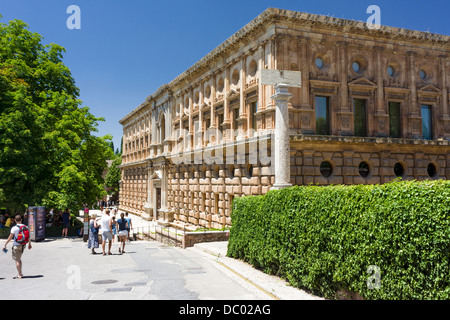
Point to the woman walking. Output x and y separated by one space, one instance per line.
66 222
123 233
93 234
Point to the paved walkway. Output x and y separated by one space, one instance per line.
64 269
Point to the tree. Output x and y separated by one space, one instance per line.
48 154
113 177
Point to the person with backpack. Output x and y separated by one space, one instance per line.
21 236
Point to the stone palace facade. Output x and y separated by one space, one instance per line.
373 105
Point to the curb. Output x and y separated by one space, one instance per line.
274 287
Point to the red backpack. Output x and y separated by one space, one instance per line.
24 235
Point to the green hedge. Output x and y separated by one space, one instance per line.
324 239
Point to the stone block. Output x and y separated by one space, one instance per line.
265 180
255 190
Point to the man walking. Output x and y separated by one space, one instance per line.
18 245
106 232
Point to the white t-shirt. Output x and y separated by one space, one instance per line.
105 223
15 230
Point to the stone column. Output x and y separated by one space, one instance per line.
148 206
282 139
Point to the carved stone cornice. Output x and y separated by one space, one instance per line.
258 29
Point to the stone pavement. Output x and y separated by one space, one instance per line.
275 287
64 269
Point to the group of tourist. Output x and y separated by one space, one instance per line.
53 219
6 221
109 229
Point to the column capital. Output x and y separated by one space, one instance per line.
282 93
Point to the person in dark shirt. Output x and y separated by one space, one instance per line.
66 221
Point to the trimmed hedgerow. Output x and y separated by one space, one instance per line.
324 239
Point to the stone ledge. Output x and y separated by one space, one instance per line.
192 238
375 140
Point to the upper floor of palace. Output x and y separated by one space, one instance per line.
386 82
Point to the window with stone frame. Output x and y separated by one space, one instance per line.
427 128
360 117
235 120
253 111
395 130
322 106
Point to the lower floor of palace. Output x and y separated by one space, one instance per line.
200 192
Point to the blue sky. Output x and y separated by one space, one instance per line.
126 50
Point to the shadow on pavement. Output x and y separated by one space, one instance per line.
32 277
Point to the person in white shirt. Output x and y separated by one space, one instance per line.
18 248
106 226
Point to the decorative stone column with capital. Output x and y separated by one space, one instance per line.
282 140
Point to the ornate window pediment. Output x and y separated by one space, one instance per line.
232 93
157 175
322 86
429 90
362 87
428 94
362 83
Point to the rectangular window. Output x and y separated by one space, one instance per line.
220 120
254 107
360 117
235 123
235 118
394 120
427 129
322 116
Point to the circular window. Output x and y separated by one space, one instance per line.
319 63
207 92
391 71
356 66
252 68
197 97
432 171
220 85
326 169
235 77
364 169
399 170
422 74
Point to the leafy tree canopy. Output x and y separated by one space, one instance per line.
48 154
113 176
